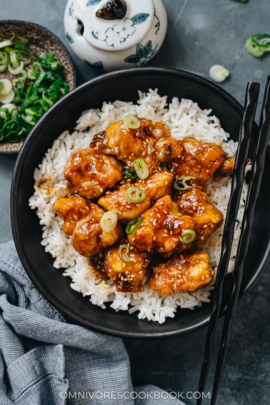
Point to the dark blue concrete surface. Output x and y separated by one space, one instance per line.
201 33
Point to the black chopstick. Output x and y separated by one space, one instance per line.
251 99
253 193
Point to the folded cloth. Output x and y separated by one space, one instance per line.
44 360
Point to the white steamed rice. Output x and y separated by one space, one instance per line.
184 118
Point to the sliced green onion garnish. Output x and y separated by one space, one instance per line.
188 236
135 194
17 70
132 122
253 49
154 121
124 255
141 168
263 43
5 43
131 175
134 221
182 183
108 221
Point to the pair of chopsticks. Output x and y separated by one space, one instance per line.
258 163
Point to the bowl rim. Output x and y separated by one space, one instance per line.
14 211
60 43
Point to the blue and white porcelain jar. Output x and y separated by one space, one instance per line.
115 34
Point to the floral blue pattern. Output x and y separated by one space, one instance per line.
69 38
119 33
71 12
157 26
98 65
92 2
143 54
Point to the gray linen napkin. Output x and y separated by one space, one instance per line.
44 360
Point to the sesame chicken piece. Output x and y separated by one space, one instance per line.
72 209
150 142
161 227
117 202
128 277
157 185
91 172
181 273
226 169
208 218
199 160
88 238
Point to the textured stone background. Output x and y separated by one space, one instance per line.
201 33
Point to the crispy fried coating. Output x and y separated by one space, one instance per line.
195 204
199 160
181 273
91 172
88 238
72 209
128 277
161 227
152 143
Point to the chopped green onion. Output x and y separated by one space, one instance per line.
182 183
135 194
48 87
132 122
5 87
188 236
125 259
154 122
141 168
263 43
253 49
17 70
130 175
134 221
5 43
218 73
108 221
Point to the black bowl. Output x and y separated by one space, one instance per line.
27 232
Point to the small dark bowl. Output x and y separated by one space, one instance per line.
27 231
41 40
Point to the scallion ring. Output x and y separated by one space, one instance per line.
134 221
182 183
154 122
141 168
108 221
254 49
132 122
126 258
135 194
188 236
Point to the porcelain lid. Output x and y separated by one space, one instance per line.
117 34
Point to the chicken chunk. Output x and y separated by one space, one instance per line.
226 169
199 160
181 273
161 227
208 218
88 238
91 172
157 185
129 144
126 210
128 277
72 210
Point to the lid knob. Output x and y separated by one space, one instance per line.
113 10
